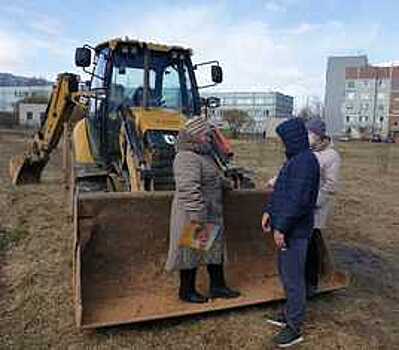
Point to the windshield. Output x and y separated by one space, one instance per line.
169 84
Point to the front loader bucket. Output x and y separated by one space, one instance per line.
121 245
25 170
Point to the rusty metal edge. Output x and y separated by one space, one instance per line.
76 278
209 309
156 194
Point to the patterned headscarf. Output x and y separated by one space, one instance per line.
197 126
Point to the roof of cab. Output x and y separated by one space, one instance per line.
113 43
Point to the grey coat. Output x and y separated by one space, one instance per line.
198 197
330 164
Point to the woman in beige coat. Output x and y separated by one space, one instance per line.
198 199
330 164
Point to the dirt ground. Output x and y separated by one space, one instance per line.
36 310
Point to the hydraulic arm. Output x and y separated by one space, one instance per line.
27 168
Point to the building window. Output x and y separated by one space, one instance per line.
360 119
381 83
364 106
350 95
381 119
244 101
366 119
380 107
29 115
365 96
349 107
366 83
259 101
350 84
348 118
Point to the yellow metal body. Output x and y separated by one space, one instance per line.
114 43
158 119
81 143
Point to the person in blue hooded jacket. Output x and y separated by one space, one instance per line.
289 216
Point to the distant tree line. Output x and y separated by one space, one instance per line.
236 119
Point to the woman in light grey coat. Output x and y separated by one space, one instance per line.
330 164
198 199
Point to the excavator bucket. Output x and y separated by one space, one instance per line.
121 245
25 170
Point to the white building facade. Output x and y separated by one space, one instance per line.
366 107
264 108
11 95
31 114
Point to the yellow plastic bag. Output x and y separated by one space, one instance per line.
199 236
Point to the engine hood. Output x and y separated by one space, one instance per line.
158 119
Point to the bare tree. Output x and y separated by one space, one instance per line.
236 119
313 108
306 113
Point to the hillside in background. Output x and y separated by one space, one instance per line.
8 79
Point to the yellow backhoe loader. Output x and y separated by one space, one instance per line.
125 123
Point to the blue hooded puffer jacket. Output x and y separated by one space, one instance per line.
292 203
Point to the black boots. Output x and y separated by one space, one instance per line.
187 290
218 288
313 263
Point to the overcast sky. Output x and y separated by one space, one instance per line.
276 44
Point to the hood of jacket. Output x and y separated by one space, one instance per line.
294 135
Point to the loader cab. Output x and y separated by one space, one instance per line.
144 77
153 79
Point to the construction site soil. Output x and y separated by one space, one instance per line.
36 240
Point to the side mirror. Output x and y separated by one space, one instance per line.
210 102
213 102
83 57
217 74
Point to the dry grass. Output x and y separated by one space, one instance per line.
36 310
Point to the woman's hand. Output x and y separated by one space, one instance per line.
279 239
203 238
272 182
202 234
265 223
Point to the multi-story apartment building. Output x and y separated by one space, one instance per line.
335 90
371 103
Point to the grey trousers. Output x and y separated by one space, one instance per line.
291 265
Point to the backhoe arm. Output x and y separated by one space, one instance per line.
27 168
